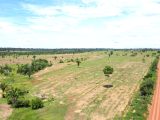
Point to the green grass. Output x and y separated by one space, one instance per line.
54 111
3 101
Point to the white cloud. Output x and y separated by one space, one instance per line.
7 26
136 25
101 10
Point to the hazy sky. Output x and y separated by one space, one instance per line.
80 23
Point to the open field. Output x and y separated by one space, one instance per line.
81 93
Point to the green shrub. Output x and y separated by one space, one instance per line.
39 64
146 87
15 97
134 54
78 61
107 70
21 103
61 61
5 70
3 87
37 103
35 66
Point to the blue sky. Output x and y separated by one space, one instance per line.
80 23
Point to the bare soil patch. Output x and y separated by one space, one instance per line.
5 111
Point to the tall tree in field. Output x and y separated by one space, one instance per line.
34 57
78 62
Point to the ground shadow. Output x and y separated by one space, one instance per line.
108 86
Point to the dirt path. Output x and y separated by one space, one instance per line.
155 108
5 111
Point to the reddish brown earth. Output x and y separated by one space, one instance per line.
154 113
5 111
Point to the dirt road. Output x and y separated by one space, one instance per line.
154 113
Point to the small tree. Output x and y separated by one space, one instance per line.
78 62
61 61
13 95
34 57
3 86
29 71
5 70
55 57
107 70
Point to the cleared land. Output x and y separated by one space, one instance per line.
81 93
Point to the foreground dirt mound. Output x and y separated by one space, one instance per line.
5 111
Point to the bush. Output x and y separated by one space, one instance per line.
39 64
146 87
21 103
3 87
134 54
5 70
24 69
78 62
35 66
108 70
37 103
61 61
15 97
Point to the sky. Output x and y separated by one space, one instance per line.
80 23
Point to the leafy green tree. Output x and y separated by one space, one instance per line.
5 70
78 62
3 87
35 66
107 70
146 87
29 71
13 96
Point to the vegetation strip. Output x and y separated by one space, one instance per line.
154 111
138 109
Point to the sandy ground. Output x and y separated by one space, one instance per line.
5 111
89 99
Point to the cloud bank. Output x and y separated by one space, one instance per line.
86 23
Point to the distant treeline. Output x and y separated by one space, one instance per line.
36 51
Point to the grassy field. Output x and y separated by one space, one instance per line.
81 93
